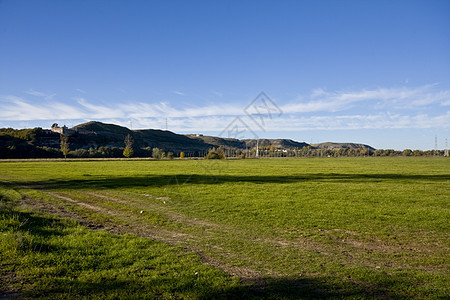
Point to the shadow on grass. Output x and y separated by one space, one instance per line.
32 230
309 288
164 180
267 288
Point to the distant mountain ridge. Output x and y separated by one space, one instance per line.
112 135
329 145
276 143
94 126
97 139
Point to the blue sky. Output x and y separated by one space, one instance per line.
374 72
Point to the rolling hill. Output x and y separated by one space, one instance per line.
94 134
106 140
329 145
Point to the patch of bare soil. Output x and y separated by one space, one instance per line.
61 212
245 274
353 239
173 216
135 227
82 204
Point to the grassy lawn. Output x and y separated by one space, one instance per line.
269 228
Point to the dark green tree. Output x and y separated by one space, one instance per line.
64 138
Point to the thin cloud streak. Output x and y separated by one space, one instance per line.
17 109
381 98
291 123
420 107
99 111
40 94
380 120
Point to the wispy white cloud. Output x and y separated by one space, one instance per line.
34 93
18 109
379 98
178 93
216 93
368 108
100 111
290 123
163 109
46 96
445 102
381 120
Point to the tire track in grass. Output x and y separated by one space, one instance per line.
207 229
305 244
82 204
155 231
176 217
218 257
347 250
276 245
171 238
137 227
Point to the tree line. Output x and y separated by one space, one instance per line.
23 144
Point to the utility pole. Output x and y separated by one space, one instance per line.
257 148
446 154
435 145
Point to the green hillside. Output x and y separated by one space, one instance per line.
97 139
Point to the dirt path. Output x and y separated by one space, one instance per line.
138 227
214 243
176 217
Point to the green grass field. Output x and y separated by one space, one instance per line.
269 228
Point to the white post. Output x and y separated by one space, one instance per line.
257 148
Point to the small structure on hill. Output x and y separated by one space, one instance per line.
62 130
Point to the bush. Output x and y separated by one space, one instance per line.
79 153
212 155
158 153
215 154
